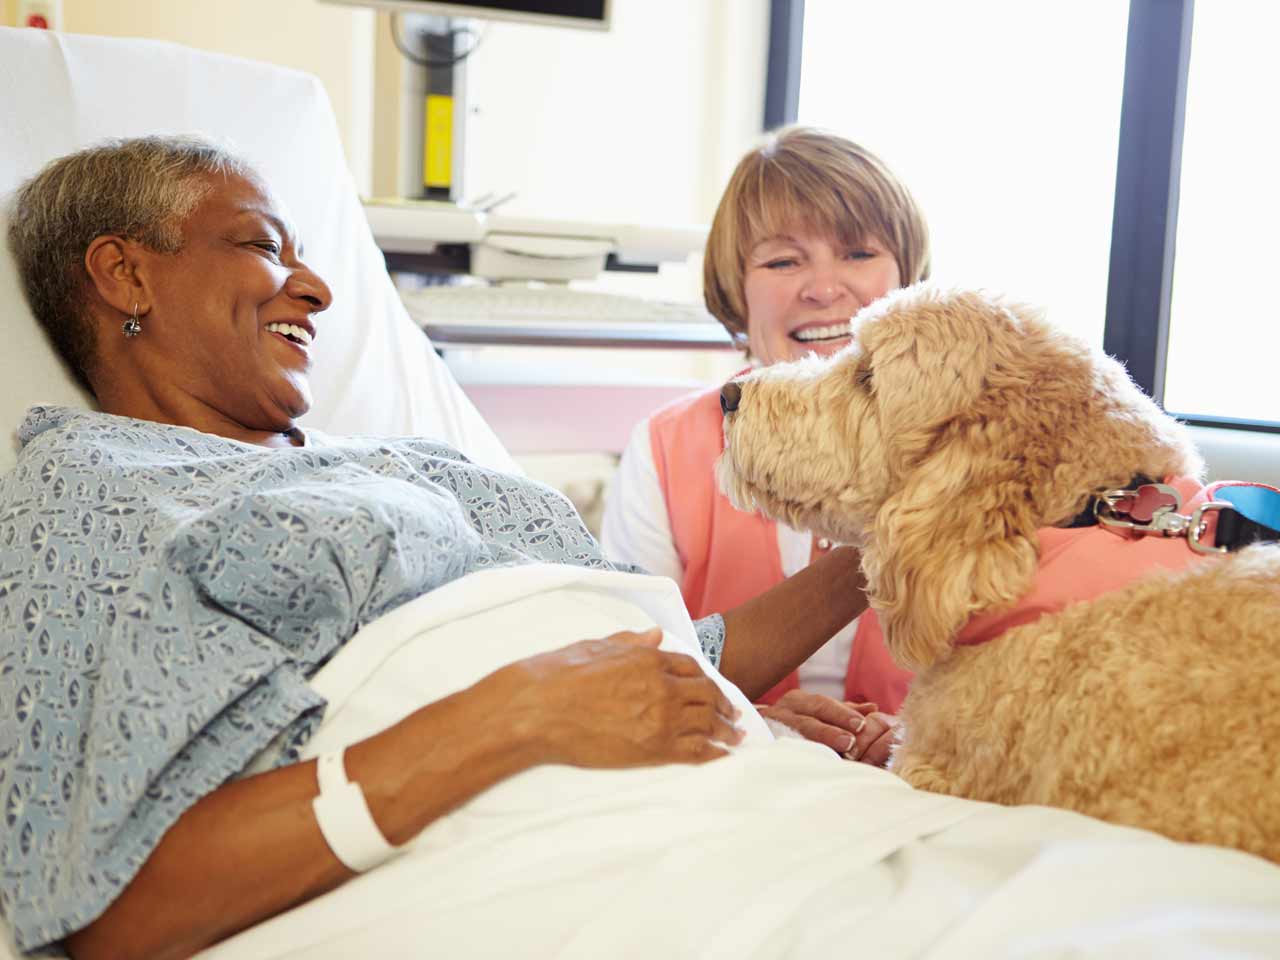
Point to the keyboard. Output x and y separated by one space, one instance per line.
518 305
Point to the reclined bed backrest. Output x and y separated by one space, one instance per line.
375 371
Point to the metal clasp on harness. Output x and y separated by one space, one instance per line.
1198 523
1112 509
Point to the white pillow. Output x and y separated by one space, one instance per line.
375 372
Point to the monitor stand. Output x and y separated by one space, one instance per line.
434 118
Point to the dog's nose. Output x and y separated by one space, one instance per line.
730 394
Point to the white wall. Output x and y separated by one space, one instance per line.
641 122
334 43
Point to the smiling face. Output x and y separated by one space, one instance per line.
801 289
228 321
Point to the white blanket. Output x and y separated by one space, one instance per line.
780 850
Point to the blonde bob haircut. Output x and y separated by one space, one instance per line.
808 180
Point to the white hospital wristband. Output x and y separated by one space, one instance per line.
344 818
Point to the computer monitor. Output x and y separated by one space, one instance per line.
593 14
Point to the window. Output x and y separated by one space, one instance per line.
1224 326
1064 153
1001 116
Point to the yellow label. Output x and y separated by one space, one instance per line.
437 147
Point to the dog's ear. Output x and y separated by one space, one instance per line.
964 408
957 538
993 424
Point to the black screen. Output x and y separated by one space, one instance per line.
578 9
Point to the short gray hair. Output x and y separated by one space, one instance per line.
142 189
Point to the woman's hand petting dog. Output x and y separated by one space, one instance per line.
856 731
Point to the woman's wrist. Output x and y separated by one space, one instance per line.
437 758
344 818
534 730
191 890
770 635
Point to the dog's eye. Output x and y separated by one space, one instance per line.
863 377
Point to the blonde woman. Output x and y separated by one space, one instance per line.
811 228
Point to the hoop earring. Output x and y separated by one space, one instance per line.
131 326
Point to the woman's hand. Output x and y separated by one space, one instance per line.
875 743
615 702
856 731
618 702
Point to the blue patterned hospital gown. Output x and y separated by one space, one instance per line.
164 596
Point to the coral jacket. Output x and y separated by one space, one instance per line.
873 676
1075 564
728 556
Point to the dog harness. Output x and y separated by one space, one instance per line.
1137 530
1232 515
1087 559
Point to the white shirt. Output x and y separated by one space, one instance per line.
637 529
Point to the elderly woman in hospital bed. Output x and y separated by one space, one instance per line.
200 595
207 555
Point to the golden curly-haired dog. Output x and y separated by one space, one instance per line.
953 427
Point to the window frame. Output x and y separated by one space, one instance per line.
1148 171
782 74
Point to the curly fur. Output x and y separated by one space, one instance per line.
953 427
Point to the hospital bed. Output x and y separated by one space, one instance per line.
780 850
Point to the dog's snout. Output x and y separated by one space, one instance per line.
730 394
